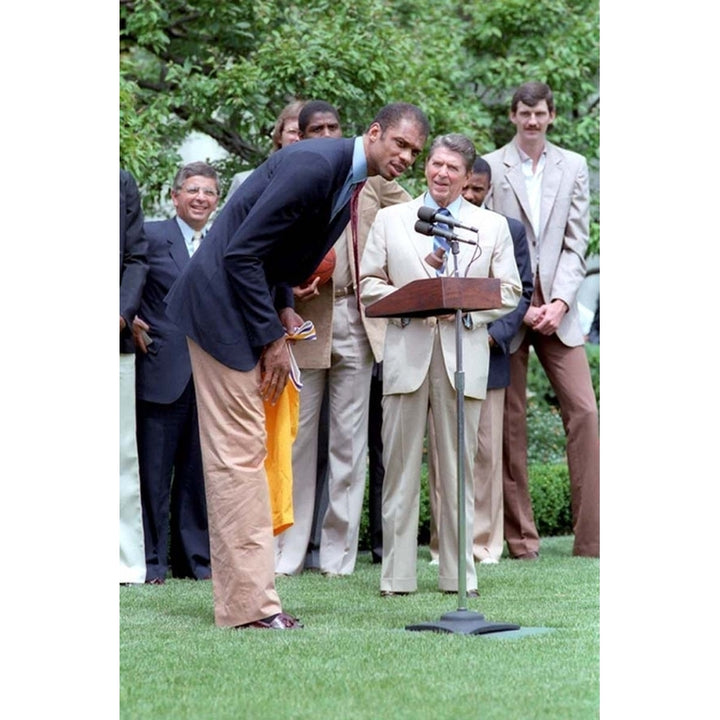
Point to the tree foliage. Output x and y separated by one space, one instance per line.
227 69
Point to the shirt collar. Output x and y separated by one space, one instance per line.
359 161
453 207
185 229
524 157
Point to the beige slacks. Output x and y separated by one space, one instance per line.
487 528
404 421
132 539
231 416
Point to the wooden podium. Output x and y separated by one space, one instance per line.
444 296
438 296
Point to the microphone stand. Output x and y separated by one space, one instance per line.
462 621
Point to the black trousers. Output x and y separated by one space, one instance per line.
173 489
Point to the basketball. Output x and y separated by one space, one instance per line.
324 270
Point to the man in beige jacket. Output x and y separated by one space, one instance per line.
546 187
340 361
419 362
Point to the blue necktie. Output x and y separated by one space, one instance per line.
441 242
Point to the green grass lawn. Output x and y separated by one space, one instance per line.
355 659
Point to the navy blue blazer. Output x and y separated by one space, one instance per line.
504 329
162 374
270 235
133 251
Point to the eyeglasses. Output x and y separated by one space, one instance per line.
194 190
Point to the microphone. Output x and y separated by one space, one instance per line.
433 216
426 228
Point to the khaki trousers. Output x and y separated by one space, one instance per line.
404 421
487 529
231 417
488 479
348 381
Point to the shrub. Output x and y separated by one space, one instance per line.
549 486
549 481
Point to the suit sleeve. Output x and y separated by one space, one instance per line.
570 270
290 195
504 267
134 249
504 329
374 279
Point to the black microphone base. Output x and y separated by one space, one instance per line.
463 622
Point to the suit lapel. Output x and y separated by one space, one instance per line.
551 184
178 248
516 179
422 244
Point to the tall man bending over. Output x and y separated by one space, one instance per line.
234 301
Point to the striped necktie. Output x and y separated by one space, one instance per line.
196 238
441 242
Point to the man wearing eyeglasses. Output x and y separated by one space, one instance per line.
171 475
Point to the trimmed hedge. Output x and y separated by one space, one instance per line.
549 485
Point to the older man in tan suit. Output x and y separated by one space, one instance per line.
546 187
420 363
341 361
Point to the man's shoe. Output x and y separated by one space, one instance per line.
155 581
281 621
469 593
527 556
392 593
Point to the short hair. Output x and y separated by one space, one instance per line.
482 167
192 169
290 112
458 143
530 94
392 114
315 106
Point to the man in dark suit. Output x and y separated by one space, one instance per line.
234 301
133 269
487 473
171 476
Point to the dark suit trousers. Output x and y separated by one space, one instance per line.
568 371
173 490
375 464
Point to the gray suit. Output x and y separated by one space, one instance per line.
557 253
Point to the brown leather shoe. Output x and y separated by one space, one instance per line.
155 581
527 556
281 621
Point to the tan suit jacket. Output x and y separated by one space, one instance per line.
559 250
377 193
395 255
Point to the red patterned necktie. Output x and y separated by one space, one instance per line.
354 199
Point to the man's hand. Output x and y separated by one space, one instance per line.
550 317
122 323
140 334
274 370
307 292
532 316
290 320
